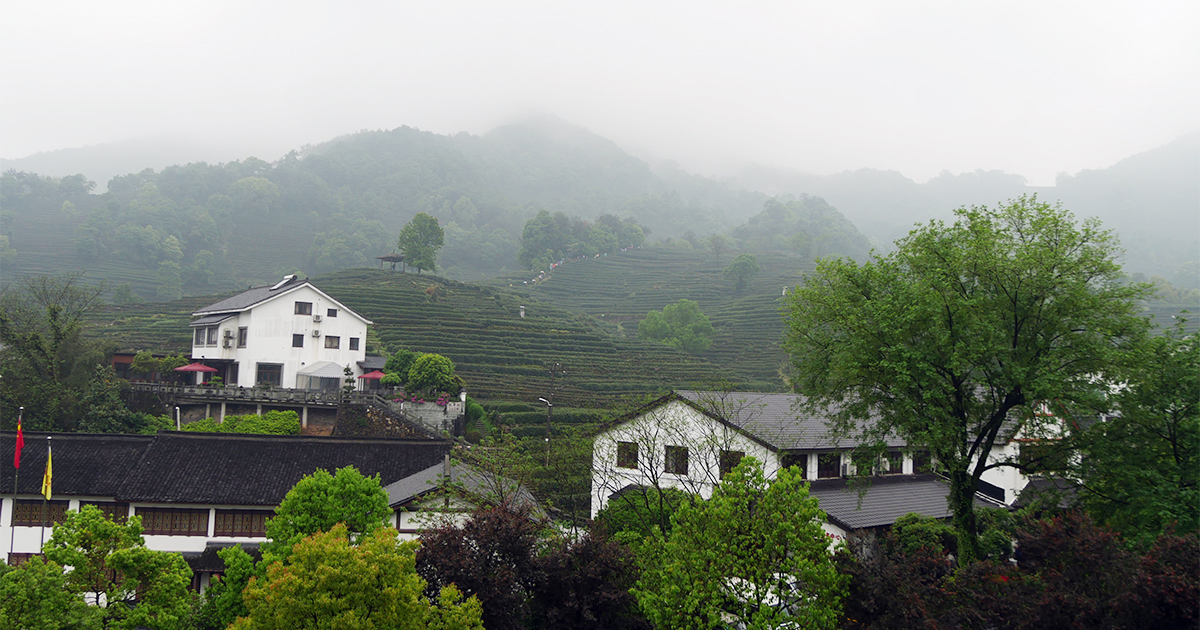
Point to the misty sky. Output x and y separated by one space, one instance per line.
1034 88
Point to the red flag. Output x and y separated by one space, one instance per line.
20 445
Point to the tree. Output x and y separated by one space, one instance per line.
1141 468
222 602
321 500
419 242
962 331
741 271
432 373
681 325
718 244
34 596
112 567
330 582
754 554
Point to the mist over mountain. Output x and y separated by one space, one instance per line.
201 227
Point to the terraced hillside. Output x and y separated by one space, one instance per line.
620 290
502 355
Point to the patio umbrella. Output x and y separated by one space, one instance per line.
374 376
196 367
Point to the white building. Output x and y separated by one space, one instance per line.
289 335
688 440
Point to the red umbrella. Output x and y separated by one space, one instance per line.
374 376
196 367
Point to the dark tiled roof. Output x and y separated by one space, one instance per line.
427 480
1063 492
886 499
85 464
778 420
211 319
249 298
372 363
209 468
208 561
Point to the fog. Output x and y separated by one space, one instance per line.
1032 88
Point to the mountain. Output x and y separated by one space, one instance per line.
1152 200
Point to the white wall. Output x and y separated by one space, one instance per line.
270 326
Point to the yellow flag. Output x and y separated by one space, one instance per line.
49 474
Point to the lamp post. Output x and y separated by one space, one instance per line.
555 369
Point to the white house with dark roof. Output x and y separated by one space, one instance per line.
291 334
688 440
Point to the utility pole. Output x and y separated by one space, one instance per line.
555 369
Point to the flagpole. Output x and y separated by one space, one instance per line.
12 517
45 494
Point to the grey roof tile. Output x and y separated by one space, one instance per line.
885 500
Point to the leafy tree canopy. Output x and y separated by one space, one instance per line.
321 500
420 240
754 554
432 373
742 270
328 582
681 325
962 331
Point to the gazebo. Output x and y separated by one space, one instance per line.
392 258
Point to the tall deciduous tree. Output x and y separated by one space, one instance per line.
741 271
681 325
962 330
754 554
419 242
1141 468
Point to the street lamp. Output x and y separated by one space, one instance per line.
549 416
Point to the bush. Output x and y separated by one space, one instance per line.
270 423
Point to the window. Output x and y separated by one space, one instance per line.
212 335
298 340
243 332
730 460
17 559
116 512
1045 457
893 463
800 460
29 513
174 521
332 312
627 453
199 340
244 523
232 376
677 460
354 343
828 465
304 308
332 342
270 374
921 462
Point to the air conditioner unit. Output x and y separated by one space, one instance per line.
228 334
228 342
316 333
316 318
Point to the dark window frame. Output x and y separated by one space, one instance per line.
303 308
272 369
333 342
241 523
792 458
331 312
28 512
116 512
198 339
627 455
675 461
297 340
173 521
213 335
242 334
728 460
354 343
827 463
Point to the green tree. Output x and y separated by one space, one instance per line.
222 603
753 555
112 566
1141 467
419 242
741 271
34 596
321 500
962 331
397 367
432 373
328 582
718 244
681 325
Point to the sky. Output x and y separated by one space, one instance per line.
1035 88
